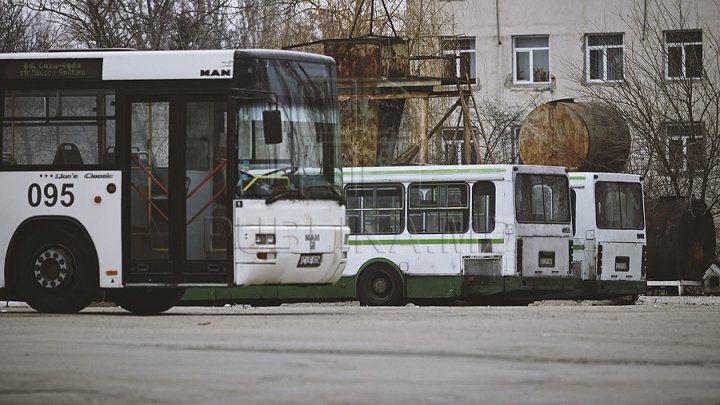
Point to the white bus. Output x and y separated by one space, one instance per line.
609 234
131 175
486 233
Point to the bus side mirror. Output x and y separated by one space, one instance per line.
272 127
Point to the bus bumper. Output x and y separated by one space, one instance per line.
612 288
521 287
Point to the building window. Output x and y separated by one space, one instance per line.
684 54
685 147
515 144
604 57
459 56
453 142
531 59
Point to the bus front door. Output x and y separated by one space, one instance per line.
179 227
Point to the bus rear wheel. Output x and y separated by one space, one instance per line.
55 271
380 286
148 301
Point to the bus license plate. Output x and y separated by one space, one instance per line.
309 260
546 259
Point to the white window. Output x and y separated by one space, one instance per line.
452 146
515 146
604 57
531 59
686 147
684 54
460 57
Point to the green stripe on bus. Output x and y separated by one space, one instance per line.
435 171
578 247
446 241
577 177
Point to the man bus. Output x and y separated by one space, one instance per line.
135 174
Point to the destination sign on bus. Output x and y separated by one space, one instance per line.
53 69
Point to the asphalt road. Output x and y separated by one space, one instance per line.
659 352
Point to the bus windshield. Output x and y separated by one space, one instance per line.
305 162
619 205
542 198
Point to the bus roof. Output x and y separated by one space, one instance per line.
582 178
442 172
138 65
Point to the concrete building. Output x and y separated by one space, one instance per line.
657 62
524 53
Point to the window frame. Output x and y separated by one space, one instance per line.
683 132
531 51
55 115
452 139
440 210
492 206
458 52
375 211
604 48
525 214
515 143
623 189
684 56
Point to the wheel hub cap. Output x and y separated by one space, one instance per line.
380 285
51 267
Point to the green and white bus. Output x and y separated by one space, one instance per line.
483 233
609 234
131 175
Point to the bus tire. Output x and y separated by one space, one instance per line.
148 301
380 286
55 271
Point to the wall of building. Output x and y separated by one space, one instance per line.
565 22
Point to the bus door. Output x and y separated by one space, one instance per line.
179 227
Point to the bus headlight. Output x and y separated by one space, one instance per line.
265 238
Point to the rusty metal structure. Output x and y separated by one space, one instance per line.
374 84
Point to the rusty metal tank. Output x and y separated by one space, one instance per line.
583 136
680 239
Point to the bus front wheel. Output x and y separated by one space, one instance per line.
380 286
148 301
55 271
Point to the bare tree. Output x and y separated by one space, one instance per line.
151 24
21 30
501 122
669 96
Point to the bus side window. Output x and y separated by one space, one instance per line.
59 127
483 207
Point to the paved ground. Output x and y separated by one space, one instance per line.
666 350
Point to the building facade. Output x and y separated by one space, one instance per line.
524 53
657 62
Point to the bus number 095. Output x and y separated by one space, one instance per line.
50 195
